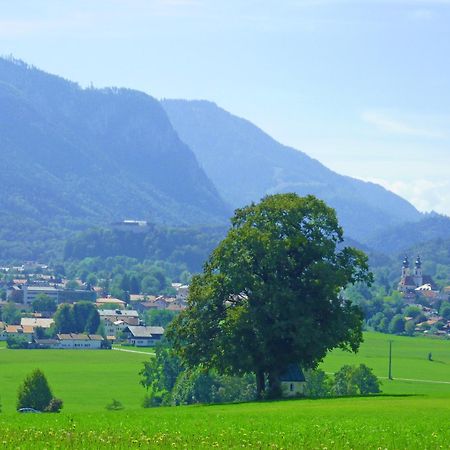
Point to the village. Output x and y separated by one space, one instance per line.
27 286
32 285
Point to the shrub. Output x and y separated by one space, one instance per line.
318 384
343 381
365 380
115 405
352 380
397 324
55 405
17 342
410 327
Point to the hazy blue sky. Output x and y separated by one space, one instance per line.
363 86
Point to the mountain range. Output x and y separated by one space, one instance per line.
245 164
73 158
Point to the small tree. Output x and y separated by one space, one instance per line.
44 303
35 392
318 384
410 327
352 380
11 314
445 310
365 380
64 319
397 324
343 381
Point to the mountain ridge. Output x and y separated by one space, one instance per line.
245 163
73 156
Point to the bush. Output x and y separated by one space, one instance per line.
17 342
410 327
343 381
397 324
199 386
115 405
352 380
54 406
366 381
318 384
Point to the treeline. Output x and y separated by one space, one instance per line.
121 276
181 246
167 382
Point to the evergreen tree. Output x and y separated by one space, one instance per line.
34 392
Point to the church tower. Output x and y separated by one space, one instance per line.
405 268
402 285
418 276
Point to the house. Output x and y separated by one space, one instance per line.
141 297
293 382
30 293
129 316
36 322
182 293
141 336
79 341
47 343
119 304
145 306
135 226
19 331
114 328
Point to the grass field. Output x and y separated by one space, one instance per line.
410 414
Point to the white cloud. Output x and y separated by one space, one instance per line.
424 194
387 124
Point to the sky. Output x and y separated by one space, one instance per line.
363 86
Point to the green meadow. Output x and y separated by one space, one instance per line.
409 414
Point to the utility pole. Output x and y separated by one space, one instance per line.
390 360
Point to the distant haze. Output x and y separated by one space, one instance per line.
361 86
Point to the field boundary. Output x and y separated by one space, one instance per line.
406 379
131 351
418 381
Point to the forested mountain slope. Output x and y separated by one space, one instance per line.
71 157
245 164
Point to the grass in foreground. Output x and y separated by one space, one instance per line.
359 423
88 380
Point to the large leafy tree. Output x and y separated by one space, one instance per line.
271 293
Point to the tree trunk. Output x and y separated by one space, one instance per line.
274 384
260 383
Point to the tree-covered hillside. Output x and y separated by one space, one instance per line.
412 234
187 247
245 164
72 157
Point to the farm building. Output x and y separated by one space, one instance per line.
293 381
141 336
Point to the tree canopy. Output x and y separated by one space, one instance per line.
270 294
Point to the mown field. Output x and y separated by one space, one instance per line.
410 414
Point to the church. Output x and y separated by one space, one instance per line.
415 281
